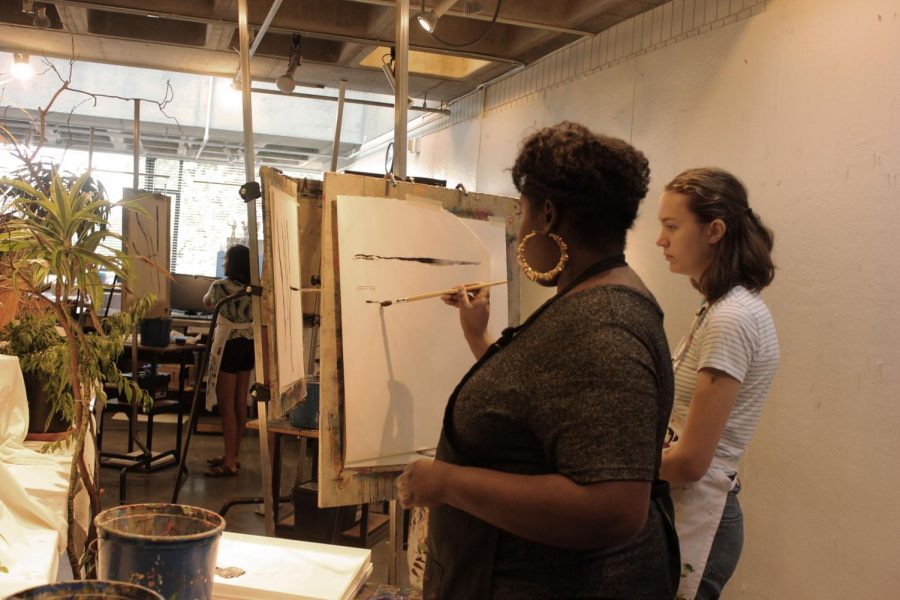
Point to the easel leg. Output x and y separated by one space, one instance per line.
396 541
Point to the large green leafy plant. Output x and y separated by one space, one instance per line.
56 238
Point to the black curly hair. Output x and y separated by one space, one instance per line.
238 263
595 182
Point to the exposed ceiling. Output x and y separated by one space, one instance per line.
339 39
200 36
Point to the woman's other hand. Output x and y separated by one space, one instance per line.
474 312
422 483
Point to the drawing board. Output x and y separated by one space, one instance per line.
400 361
339 483
282 284
147 235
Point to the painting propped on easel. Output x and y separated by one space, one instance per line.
402 338
282 291
401 361
147 235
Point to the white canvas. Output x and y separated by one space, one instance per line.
288 283
400 362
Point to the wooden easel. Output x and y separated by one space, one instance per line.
339 486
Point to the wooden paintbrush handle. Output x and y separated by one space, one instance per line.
450 291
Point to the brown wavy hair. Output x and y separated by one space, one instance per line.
744 254
594 181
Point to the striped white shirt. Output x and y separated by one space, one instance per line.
735 335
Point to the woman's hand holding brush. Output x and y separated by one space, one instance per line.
474 312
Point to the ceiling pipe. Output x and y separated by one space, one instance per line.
276 4
209 103
424 109
264 27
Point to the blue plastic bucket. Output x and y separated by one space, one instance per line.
169 548
306 414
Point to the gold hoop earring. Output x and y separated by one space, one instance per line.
545 276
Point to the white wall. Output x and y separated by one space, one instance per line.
801 98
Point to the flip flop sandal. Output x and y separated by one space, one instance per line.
220 471
216 461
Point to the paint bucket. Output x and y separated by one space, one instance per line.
88 589
155 332
169 548
306 414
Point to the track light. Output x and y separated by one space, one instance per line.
41 20
474 7
428 19
21 68
286 82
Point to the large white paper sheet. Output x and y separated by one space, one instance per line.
400 362
288 283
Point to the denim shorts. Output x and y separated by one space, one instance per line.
726 549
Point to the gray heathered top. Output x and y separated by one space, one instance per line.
585 391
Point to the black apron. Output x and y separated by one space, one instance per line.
461 547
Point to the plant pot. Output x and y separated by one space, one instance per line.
169 548
41 417
87 590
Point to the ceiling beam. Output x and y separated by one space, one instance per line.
313 34
489 17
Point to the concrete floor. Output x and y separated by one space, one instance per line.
212 493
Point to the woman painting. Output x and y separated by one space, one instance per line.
543 482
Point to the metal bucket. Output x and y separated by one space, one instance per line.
169 548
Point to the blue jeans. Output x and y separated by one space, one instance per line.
725 551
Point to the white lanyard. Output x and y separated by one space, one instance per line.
685 344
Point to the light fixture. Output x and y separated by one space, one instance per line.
41 20
236 81
428 18
474 7
286 82
21 68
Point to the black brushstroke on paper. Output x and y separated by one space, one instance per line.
437 262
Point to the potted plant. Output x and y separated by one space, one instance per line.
33 336
55 239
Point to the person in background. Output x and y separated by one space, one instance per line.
543 482
723 367
231 359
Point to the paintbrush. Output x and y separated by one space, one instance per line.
447 292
